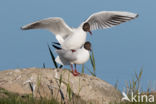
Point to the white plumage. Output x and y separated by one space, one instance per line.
67 57
74 38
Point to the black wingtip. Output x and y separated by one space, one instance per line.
56 47
137 15
56 43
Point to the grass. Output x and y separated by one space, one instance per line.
13 98
92 71
131 86
92 61
72 98
134 86
52 57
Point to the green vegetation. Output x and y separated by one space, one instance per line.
52 57
12 98
71 96
134 86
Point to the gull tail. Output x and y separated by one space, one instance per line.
58 60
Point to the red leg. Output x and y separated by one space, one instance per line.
73 72
72 68
76 70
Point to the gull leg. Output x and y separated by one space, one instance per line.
73 72
72 68
76 72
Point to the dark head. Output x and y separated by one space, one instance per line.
86 27
87 46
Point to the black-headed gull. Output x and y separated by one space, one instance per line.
74 38
67 57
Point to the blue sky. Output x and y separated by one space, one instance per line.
119 51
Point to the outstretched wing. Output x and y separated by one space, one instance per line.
54 24
107 19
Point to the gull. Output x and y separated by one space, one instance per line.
67 57
74 38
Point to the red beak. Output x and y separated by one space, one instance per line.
90 32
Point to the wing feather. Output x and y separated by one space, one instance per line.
54 24
107 19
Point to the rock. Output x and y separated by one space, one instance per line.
60 84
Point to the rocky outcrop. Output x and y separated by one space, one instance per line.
60 84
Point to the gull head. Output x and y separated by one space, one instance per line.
86 28
87 46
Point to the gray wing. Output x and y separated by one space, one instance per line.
54 24
66 54
107 19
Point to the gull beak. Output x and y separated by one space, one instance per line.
90 32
